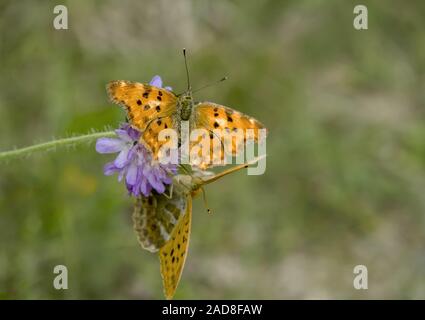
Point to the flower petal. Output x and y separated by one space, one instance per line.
121 174
154 181
133 155
168 88
156 81
131 177
124 135
145 187
159 187
121 160
167 180
133 133
109 169
109 145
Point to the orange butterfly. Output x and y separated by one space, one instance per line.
151 109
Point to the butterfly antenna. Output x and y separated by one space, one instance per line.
210 84
204 196
189 87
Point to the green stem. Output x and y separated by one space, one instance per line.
45 146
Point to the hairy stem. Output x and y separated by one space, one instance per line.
46 146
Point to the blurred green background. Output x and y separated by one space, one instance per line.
345 175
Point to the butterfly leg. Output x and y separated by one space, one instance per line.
170 195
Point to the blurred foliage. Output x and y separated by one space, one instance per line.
346 151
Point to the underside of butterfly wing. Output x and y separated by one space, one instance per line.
173 254
155 218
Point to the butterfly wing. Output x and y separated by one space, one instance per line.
173 254
150 136
212 116
148 108
155 218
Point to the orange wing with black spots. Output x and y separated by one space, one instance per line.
142 102
211 116
150 135
149 108
172 255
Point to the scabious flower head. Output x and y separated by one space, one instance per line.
135 163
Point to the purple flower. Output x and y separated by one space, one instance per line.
157 82
135 163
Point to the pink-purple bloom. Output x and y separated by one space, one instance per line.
157 82
135 163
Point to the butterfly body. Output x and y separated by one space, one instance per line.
185 106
